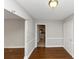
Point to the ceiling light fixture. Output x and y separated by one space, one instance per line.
53 3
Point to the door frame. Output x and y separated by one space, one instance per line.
36 34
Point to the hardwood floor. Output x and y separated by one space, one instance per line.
14 53
50 53
38 53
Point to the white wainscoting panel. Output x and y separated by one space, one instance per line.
54 42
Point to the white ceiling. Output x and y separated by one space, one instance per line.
40 10
9 15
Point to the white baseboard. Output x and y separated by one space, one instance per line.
25 57
30 52
55 46
69 52
14 47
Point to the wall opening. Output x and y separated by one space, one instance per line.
14 35
41 35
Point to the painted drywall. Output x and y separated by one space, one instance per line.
14 33
69 35
29 37
54 33
38 35
14 7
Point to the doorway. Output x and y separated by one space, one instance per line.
14 36
40 35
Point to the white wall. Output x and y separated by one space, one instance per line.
29 37
14 33
38 35
69 35
54 33
14 7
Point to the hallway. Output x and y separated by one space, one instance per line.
50 53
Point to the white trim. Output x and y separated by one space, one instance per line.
69 52
56 38
30 52
14 47
54 46
25 57
36 33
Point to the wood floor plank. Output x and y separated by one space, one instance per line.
38 53
50 53
14 53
